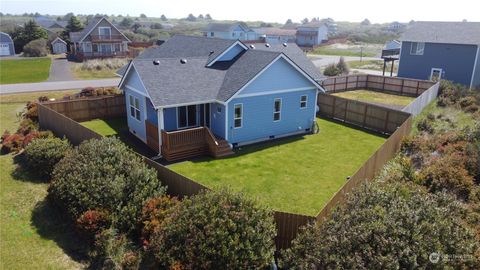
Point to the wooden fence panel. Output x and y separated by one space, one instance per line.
417 106
288 226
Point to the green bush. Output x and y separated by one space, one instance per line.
43 154
332 70
36 48
342 66
104 174
425 125
217 230
387 227
155 214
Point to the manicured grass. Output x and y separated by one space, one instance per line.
371 65
32 233
24 70
376 97
367 50
93 74
298 174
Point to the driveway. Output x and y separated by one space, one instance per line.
61 70
55 86
325 60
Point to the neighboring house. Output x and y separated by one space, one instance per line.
53 27
59 46
229 31
446 50
312 34
235 93
275 35
6 45
99 39
396 26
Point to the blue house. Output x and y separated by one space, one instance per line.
229 31
6 45
446 50
198 95
311 34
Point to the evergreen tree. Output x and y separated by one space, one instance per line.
289 21
30 31
208 17
163 17
73 25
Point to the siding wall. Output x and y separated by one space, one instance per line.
456 61
217 124
170 119
476 76
152 115
104 23
136 127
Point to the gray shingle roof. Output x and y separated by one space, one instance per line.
77 36
221 27
172 83
444 32
4 37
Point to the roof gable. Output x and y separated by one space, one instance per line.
443 32
80 36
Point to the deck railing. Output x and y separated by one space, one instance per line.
107 38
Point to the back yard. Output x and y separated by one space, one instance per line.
24 70
349 49
298 174
376 97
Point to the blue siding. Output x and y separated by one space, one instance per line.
170 119
230 54
217 124
476 76
455 60
279 76
152 115
135 126
258 121
134 81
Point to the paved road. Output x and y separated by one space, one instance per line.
324 60
55 86
61 70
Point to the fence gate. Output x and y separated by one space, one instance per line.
152 136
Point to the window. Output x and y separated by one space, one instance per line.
187 116
277 107
212 34
237 116
417 48
135 108
104 31
233 34
219 109
303 101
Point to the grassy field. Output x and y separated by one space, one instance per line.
92 74
24 70
376 97
367 50
33 236
372 65
297 175
98 68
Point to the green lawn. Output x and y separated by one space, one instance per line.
377 97
298 174
367 50
33 236
24 70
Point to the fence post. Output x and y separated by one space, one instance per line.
334 104
365 115
386 121
334 84
346 83
401 88
418 85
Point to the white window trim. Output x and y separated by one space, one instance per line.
135 108
417 52
104 27
306 101
280 110
237 118
196 117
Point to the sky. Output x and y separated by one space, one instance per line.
377 11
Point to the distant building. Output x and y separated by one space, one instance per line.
275 35
446 50
311 34
50 25
396 26
331 26
6 45
59 46
229 31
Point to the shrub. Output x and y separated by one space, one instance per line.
12 143
113 251
26 126
467 101
425 125
155 214
92 222
102 64
104 174
36 48
342 66
43 154
332 70
386 227
217 230
31 111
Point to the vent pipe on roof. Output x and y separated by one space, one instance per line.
211 52
252 46
183 61
285 44
267 45
156 62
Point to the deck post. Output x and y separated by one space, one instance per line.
160 128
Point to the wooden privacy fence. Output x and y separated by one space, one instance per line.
84 109
401 86
416 106
63 126
365 115
369 169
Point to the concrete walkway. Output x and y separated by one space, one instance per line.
55 86
61 70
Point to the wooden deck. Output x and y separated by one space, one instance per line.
188 143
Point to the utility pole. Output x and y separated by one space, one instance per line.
361 53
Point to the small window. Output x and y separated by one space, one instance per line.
417 48
277 108
303 101
233 34
212 34
219 109
237 116
135 108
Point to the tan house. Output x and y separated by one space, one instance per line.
99 39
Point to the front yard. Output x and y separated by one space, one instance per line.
24 70
297 175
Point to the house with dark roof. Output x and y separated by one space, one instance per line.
274 35
6 45
232 31
441 50
197 94
311 34
59 46
99 39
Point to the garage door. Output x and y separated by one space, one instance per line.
4 49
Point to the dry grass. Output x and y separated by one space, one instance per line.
98 68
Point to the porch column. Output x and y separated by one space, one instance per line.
160 128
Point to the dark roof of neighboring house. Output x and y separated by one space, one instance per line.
223 27
4 37
273 31
59 40
443 32
172 82
312 24
77 36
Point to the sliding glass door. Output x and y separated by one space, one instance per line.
187 116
